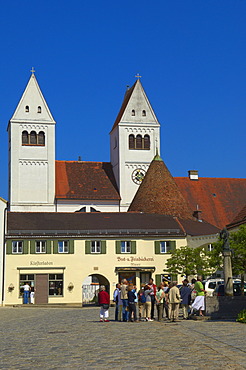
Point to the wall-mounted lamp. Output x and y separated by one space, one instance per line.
70 287
11 287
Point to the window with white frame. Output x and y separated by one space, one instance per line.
40 246
17 246
63 246
165 247
125 247
210 247
96 246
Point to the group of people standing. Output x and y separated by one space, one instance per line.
167 298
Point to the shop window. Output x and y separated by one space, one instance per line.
33 138
55 284
63 246
131 142
40 246
39 109
41 138
17 247
25 278
162 247
95 246
146 142
25 138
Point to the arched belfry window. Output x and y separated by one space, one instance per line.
41 138
144 113
39 109
33 138
24 138
133 112
138 142
146 142
131 142
27 108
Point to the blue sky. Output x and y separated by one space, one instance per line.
191 55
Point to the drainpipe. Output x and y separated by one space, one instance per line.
4 253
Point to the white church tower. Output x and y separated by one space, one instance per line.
32 153
134 141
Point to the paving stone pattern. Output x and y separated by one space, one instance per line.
73 338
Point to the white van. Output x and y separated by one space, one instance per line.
211 284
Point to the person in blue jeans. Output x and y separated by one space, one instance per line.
124 297
26 294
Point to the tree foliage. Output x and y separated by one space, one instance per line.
238 247
188 261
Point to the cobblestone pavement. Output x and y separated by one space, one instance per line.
66 338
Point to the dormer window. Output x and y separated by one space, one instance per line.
144 113
27 109
133 112
39 109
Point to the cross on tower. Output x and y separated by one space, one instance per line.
32 70
138 76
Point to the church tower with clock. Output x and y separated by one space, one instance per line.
134 141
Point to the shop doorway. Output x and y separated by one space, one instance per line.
41 288
90 288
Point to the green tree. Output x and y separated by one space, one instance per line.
188 261
238 246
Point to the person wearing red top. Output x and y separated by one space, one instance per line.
152 296
103 301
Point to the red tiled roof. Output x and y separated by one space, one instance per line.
124 104
159 193
85 180
219 199
240 219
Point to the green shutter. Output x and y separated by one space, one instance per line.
133 247
157 247
157 279
25 247
9 247
33 246
55 246
87 247
103 247
118 247
71 246
172 245
48 246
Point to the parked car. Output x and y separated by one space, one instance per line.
211 285
220 290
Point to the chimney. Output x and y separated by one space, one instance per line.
197 214
193 174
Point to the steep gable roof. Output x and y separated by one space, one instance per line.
32 98
219 199
85 180
159 193
135 99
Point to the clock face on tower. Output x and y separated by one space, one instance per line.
138 175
